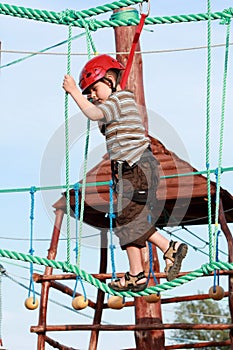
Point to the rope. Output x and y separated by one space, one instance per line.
106 183
151 270
216 272
111 217
78 279
76 215
58 18
208 131
51 300
67 149
82 53
2 272
204 270
48 188
218 175
90 43
41 51
31 250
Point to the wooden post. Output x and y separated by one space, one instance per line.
100 294
145 313
228 235
123 40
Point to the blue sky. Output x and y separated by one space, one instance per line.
32 142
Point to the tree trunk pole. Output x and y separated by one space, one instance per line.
123 40
228 235
145 313
48 271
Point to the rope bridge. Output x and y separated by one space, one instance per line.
73 17
80 19
66 267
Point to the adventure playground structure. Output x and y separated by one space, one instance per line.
185 198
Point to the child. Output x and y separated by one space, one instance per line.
134 168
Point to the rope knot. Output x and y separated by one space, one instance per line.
67 16
227 15
32 190
76 186
87 24
31 251
110 215
66 267
206 268
92 25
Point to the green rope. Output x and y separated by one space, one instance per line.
221 136
66 267
43 50
58 18
67 150
2 271
208 131
49 188
106 183
126 15
90 43
108 7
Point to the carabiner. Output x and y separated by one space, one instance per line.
148 8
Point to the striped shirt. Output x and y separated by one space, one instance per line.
124 131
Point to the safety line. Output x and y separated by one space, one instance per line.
94 24
106 183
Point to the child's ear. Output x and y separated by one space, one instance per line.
111 77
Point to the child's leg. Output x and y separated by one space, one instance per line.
174 253
134 280
160 241
135 263
135 260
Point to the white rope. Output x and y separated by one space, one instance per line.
112 53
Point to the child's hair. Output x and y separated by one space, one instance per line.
116 73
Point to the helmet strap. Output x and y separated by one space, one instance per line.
108 81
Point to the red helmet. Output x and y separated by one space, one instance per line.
95 69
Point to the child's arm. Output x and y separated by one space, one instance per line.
91 111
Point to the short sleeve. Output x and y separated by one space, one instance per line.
111 109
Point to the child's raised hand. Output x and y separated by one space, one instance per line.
69 83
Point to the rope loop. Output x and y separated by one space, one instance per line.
148 8
67 16
66 266
206 269
92 24
32 189
151 270
79 279
227 16
31 251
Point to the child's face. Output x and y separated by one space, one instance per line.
100 92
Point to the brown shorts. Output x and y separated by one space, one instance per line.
135 223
